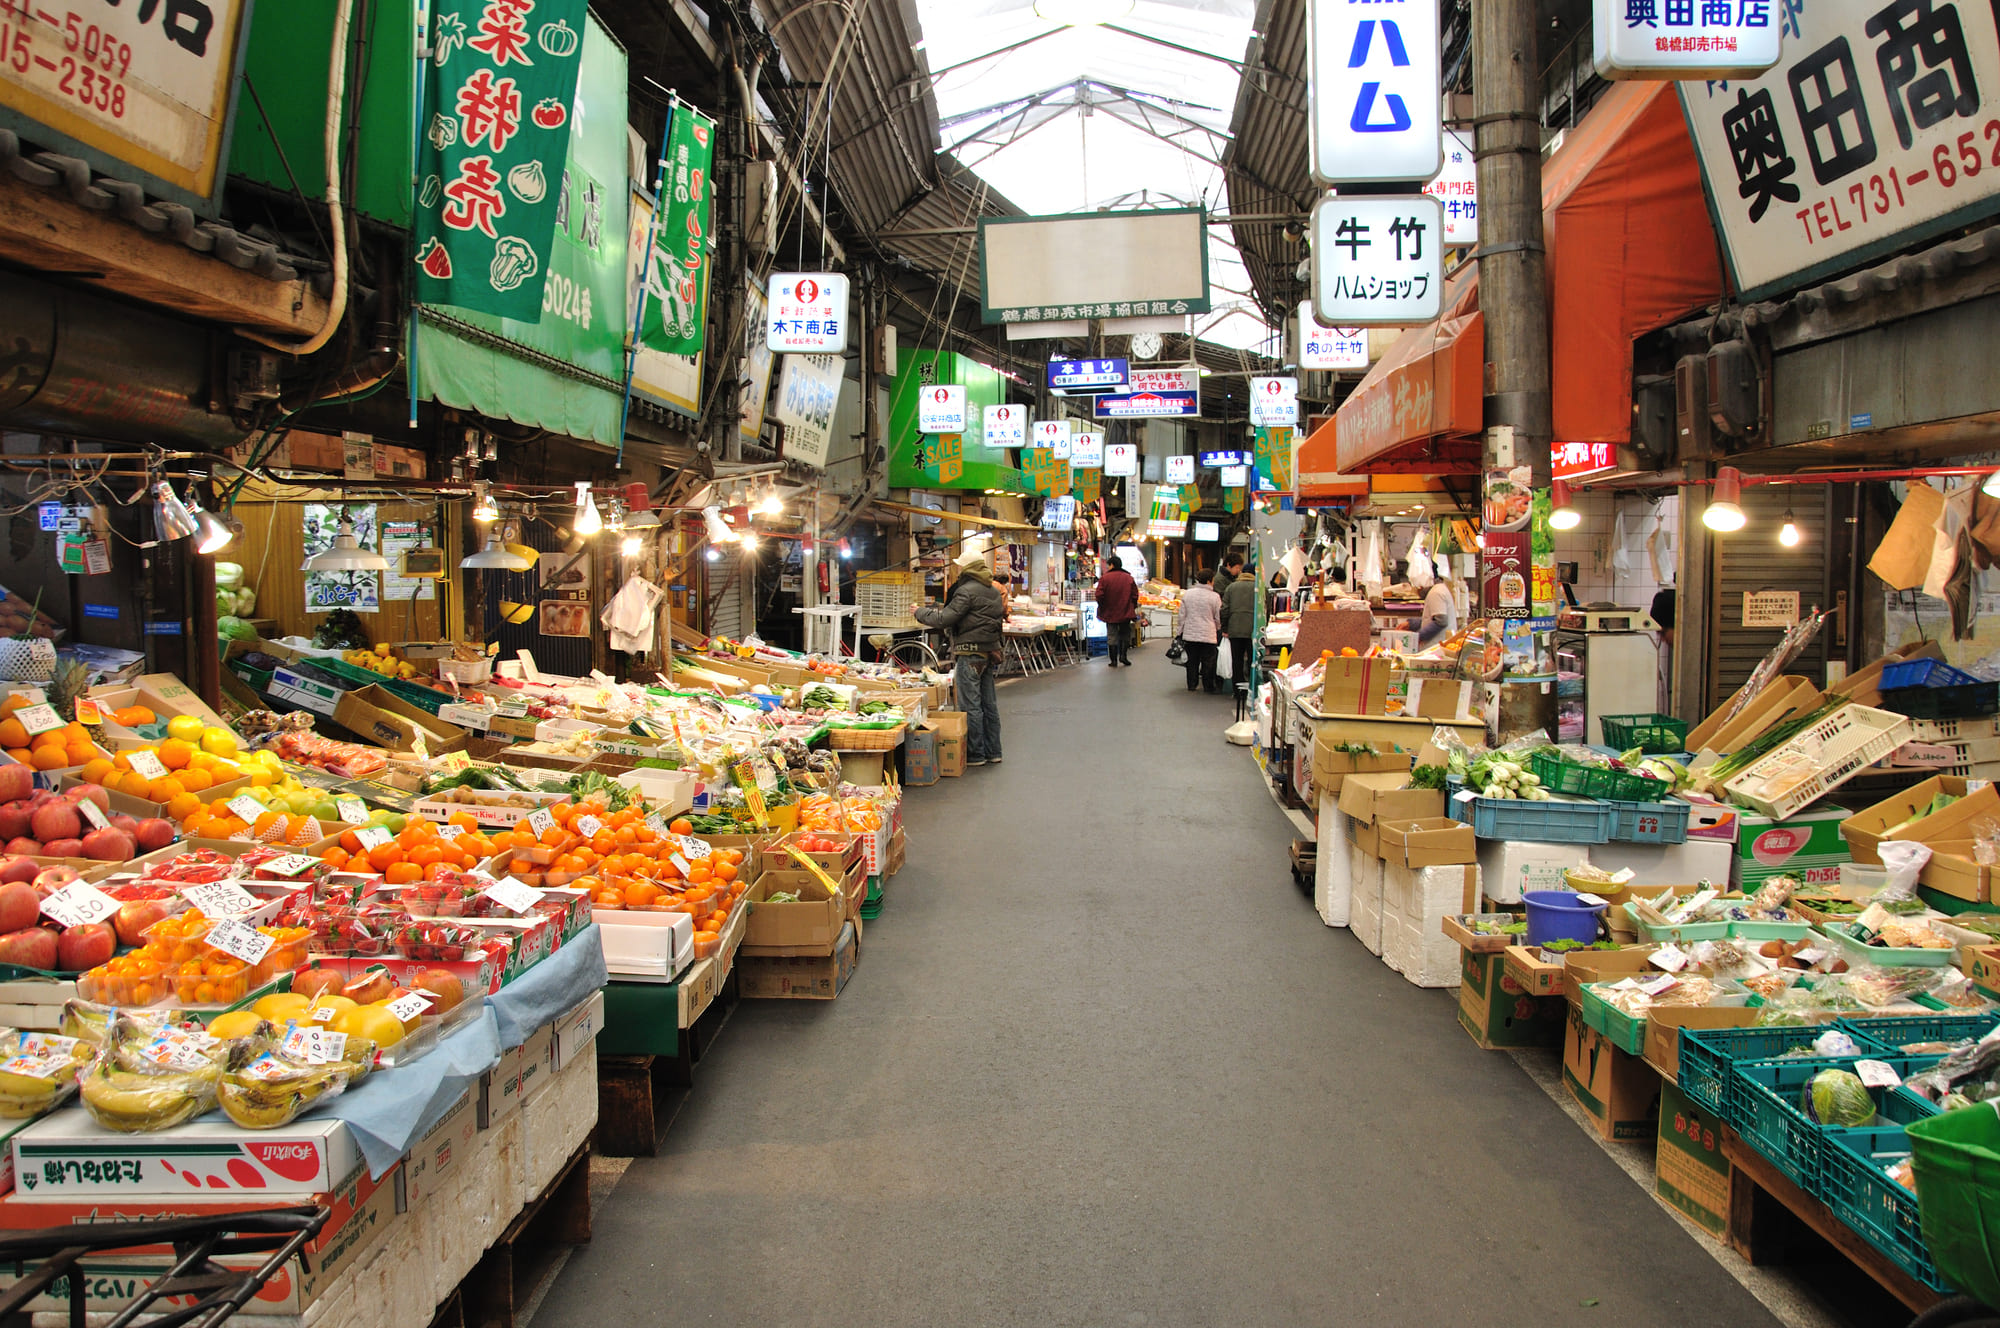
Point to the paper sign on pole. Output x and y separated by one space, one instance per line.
1373 107
1377 260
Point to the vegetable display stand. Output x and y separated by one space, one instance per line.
1768 1216
1650 822
1552 822
1765 1109
1655 735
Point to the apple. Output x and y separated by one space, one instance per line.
370 987
446 991
20 846
30 947
316 981
107 845
16 818
121 821
40 797
57 820
63 848
19 869
131 920
20 906
153 833
96 793
86 947
16 781
51 879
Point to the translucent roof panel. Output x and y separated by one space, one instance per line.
1129 114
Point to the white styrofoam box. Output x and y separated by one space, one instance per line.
1427 894
1668 864
1365 915
1333 869
1430 958
555 1124
1507 867
647 945
70 1153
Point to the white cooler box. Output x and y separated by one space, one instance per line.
646 947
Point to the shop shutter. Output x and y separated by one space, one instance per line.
1751 560
730 586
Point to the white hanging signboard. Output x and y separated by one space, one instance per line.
1456 188
807 312
1330 347
1006 426
1180 470
1120 459
1086 451
1274 403
1377 261
941 409
1052 434
1236 477
1372 101
1681 39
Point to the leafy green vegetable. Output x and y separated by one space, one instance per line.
1428 777
616 796
1838 1097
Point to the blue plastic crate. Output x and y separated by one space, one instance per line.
1552 822
1891 1034
1923 673
1861 1194
1650 822
1707 1054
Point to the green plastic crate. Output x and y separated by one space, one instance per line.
1765 1109
1957 1156
1859 1191
1620 1029
1590 781
1656 734
1707 1056
1891 1033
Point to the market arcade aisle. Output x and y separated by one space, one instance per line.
1101 1064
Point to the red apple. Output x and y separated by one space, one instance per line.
107 845
131 920
16 781
30 947
57 820
20 906
371 986
121 821
154 832
63 848
96 793
443 985
51 879
314 981
41 796
85 947
18 845
15 819
19 869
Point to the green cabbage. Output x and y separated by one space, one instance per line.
231 628
229 575
1838 1097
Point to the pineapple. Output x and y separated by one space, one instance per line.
71 680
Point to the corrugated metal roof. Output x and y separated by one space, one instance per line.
1266 166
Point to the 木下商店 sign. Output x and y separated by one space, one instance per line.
807 313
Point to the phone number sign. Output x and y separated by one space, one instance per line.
146 83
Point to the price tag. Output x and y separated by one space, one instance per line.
1466 795
512 710
41 1056
352 810
680 863
657 823
89 712
269 1069
92 813
309 1044
147 763
406 1008
475 717
696 849
235 937
1661 985
512 895
220 899
588 826
1670 957
1877 1074
457 761
373 836
290 865
1590 900
420 746
832 886
541 822
178 1049
79 903
325 1014
247 808
37 719
1809 955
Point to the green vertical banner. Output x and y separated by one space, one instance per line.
1274 458
496 136
677 273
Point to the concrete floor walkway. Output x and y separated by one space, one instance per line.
1101 1064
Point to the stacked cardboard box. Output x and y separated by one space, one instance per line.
1428 873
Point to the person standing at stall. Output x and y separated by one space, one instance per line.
1232 567
1117 606
1440 612
1239 622
974 614
1201 631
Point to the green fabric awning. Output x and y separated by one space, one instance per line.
488 375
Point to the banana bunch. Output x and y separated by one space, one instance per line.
134 1102
261 1088
51 1064
90 1022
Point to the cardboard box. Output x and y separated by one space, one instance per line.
1373 798
322 698
378 716
1507 868
950 726
1618 1091
800 977
1497 1013
68 1153
1355 686
1331 766
1951 870
438 1152
537 1056
1438 698
899 848
1691 1174
1764 847
1663 1031
1533 974
499 1093
1584 967
812 925
574 1031
1432 841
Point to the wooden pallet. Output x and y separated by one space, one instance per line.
530 1250
639 1096
1766 1212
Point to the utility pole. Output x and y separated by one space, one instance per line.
1513 299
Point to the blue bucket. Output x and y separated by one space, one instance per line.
1554 915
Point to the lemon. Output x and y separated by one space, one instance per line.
185 727
218 742
235 1024
280 1006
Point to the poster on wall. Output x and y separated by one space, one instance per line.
808 392
565 617
565 574
398 538
757 360
326 591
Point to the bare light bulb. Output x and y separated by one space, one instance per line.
1788 534
588 520
630 546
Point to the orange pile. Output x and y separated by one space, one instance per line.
190 773
58 749
625 864
175 961
419 852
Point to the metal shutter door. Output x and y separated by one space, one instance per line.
1752 559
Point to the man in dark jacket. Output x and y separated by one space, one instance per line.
1117 606
974 614
1239 624
1232 567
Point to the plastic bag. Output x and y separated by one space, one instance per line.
1905 862
1986 842
1423 573
149 1078
265 1085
